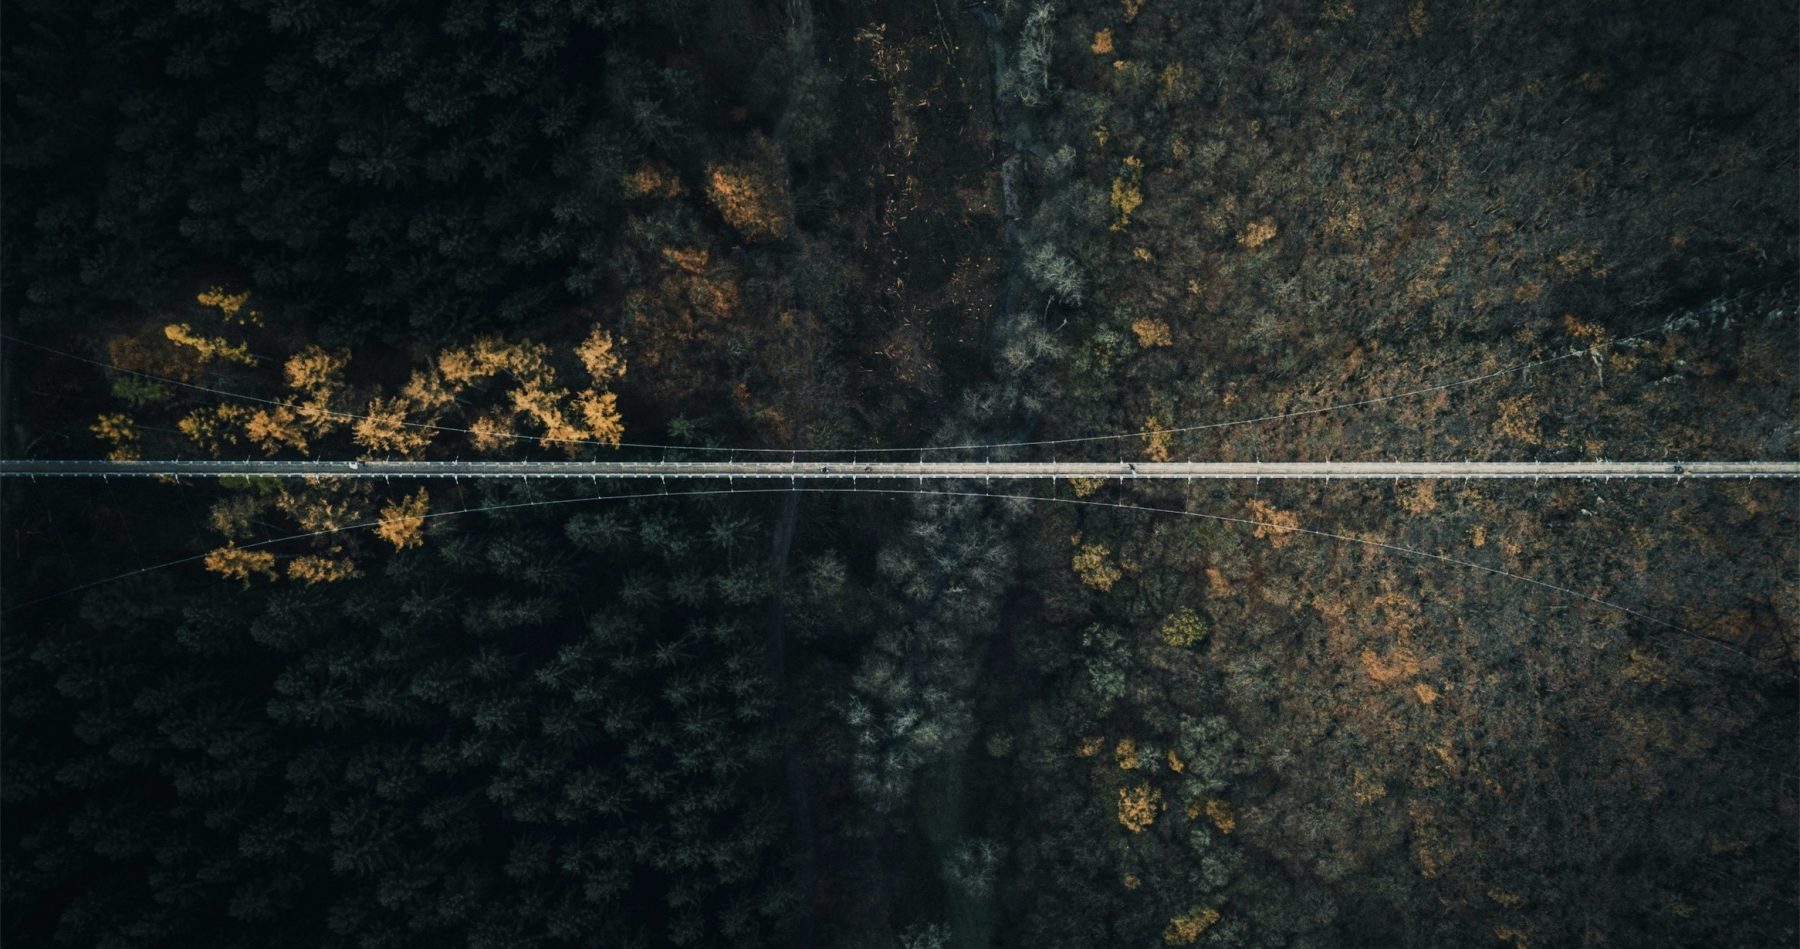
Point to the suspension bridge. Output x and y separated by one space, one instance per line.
852 469
804 468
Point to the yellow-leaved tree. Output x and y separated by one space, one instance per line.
316 568
1184 627
387 428
1277 525
600 356
236 563
1092 565
403 522
1138 807
208 348
119 432
600 413
403 424
1127 192
1185 929
1156 439
276 428
749 198
319 376
211 428
505 394
230 306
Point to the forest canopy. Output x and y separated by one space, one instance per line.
353 713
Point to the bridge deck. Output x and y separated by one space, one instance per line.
909 470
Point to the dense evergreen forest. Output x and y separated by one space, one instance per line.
358 714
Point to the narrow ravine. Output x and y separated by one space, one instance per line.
800 18
945 815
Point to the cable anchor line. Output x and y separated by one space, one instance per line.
1226 519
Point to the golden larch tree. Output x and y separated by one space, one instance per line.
403 522
492 433
314 568
748 200
1277 525
208 348
1185 929
120 434
1127 192
1139 806
386 429
652 180
600 412
236 563
1182 628
1095 570
324 504
214 427
230 306
1156 439
271 429
319 376
600 356
1151 333
1257 233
